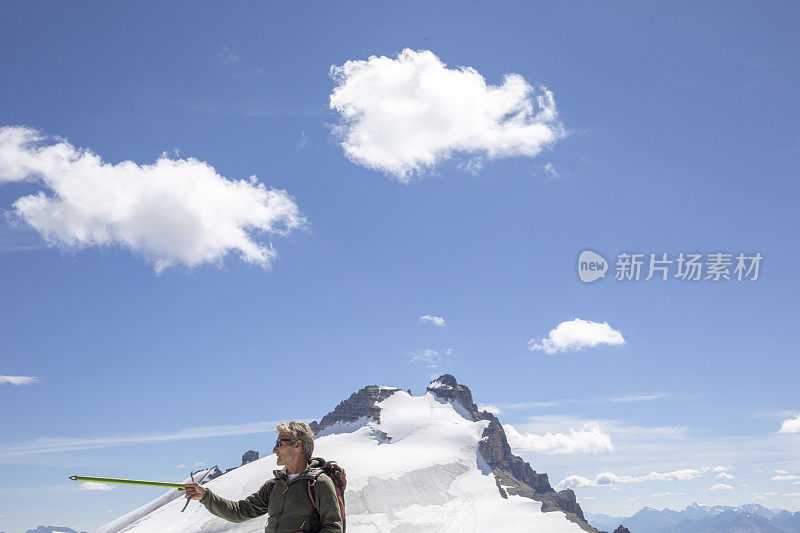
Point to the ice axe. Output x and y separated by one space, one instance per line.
142 483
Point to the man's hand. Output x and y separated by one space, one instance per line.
194 491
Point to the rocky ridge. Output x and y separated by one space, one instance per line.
513 474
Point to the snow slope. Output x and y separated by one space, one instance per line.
428 476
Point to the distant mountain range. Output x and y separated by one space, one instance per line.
52 529
699 518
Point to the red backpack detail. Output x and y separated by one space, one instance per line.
339 478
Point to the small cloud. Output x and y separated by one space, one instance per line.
609 478
575 335
227 55
721 486
473 166
780 471
182 466
550 170
790 426
18 380
724 475
792 494
770 493
430 357
589 439
491 408
304 140
97 486
435 320
785 477
404 115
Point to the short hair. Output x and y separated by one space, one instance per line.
299 431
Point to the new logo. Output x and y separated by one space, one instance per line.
591 266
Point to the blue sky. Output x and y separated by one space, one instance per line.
679 135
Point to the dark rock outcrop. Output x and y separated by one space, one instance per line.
359 404
514 476
215 473
622 529
249 456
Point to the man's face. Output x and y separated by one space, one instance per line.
287 451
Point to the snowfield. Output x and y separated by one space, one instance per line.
418 470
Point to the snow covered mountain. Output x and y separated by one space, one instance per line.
414 463
700 518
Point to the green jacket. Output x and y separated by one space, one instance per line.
287 502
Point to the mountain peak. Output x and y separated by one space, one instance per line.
360 404
444 381
514 476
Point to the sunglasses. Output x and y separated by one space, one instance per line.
279 440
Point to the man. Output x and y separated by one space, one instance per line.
287 497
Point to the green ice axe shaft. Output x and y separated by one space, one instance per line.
128 482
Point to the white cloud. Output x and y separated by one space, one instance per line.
404 115
18 380
721 486
432 358
589 439
619 430
550 170
172 212
609 478
643 397
491 408
792 494
67 444
435 320
575 335
97 486
227 55
724 475
786 477
790 426
780 471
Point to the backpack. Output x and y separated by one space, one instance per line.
339 478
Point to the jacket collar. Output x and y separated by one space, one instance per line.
311 472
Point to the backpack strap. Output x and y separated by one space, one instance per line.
274 484
311 494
